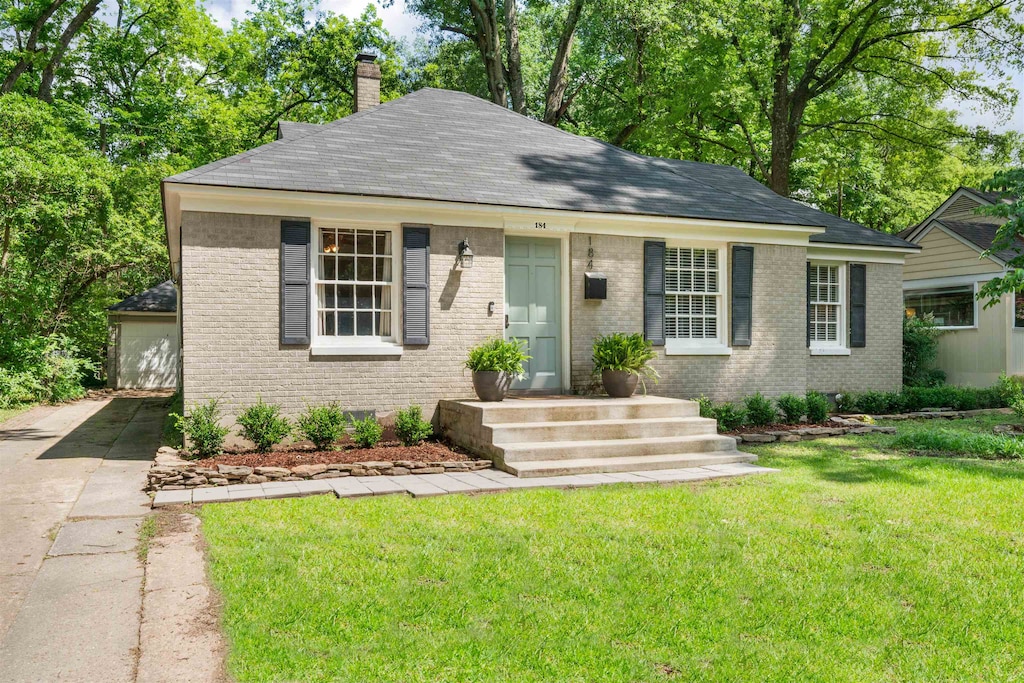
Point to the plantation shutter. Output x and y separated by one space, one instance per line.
654 292
858 305
416 284
295 294
742 295
808 304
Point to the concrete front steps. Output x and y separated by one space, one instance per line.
540 437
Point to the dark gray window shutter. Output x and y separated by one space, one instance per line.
654 292
295 262
858 305
416 284
742 295
808 304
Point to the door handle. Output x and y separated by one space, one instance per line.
506 321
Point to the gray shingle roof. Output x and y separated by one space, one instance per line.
163 298
981 235
452 146
289 130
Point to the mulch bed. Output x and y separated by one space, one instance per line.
751 429
385 451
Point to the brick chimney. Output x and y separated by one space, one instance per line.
366 82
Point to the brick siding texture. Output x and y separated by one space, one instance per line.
230 319
879 365
775 363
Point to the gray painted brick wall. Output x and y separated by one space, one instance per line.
230 276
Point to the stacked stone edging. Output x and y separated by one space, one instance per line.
862 424
170 472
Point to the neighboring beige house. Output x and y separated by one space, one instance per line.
943 279
359 260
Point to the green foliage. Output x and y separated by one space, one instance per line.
625 352
760 410
920 346
410 427
499 355
1010 387
792 407
729 416
957 442
39 369
707 408
1010 184
1018 407
323 425
872 403
818 407
172 436
263 424
367 432
202 429
847 402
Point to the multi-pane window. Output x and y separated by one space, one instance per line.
826 305
948 306
354 281
692 295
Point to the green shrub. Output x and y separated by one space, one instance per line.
42 369
729 416
707 408
323 425
1018 408
410 427
202 429
625 352
792 407
1010 388
366 433
263 425
817 407
873 403
499 355
847 402
760 410
958 442
920 346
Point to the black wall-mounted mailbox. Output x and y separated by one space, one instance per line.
595 286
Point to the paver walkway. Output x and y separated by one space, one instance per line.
70 509
421 486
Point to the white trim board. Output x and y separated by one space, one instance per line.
960 192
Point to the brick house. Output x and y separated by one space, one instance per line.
333 264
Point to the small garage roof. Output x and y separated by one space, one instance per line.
162 298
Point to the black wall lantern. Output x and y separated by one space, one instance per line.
465 258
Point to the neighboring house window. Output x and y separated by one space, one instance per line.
693 297
1018 309
826 290
354 283
950 306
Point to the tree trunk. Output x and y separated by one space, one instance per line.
488 41
515 71
30 47
46 83
558 80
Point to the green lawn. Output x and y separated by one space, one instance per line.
849 565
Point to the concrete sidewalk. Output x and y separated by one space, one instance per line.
70 509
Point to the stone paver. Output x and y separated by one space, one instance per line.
183 497
349 488
382 486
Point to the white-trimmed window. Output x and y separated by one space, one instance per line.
354 285
694 299
951 307
826 299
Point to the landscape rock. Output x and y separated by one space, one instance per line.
234 471
758 438
427 470
255 479
308 470
273 472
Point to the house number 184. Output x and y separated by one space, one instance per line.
540 226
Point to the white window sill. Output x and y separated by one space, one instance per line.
694 350
952 328
367 349
830 351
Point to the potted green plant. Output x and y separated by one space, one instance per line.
622 361
495 363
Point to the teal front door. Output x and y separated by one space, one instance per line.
533 288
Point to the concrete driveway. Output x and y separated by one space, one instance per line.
71 505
